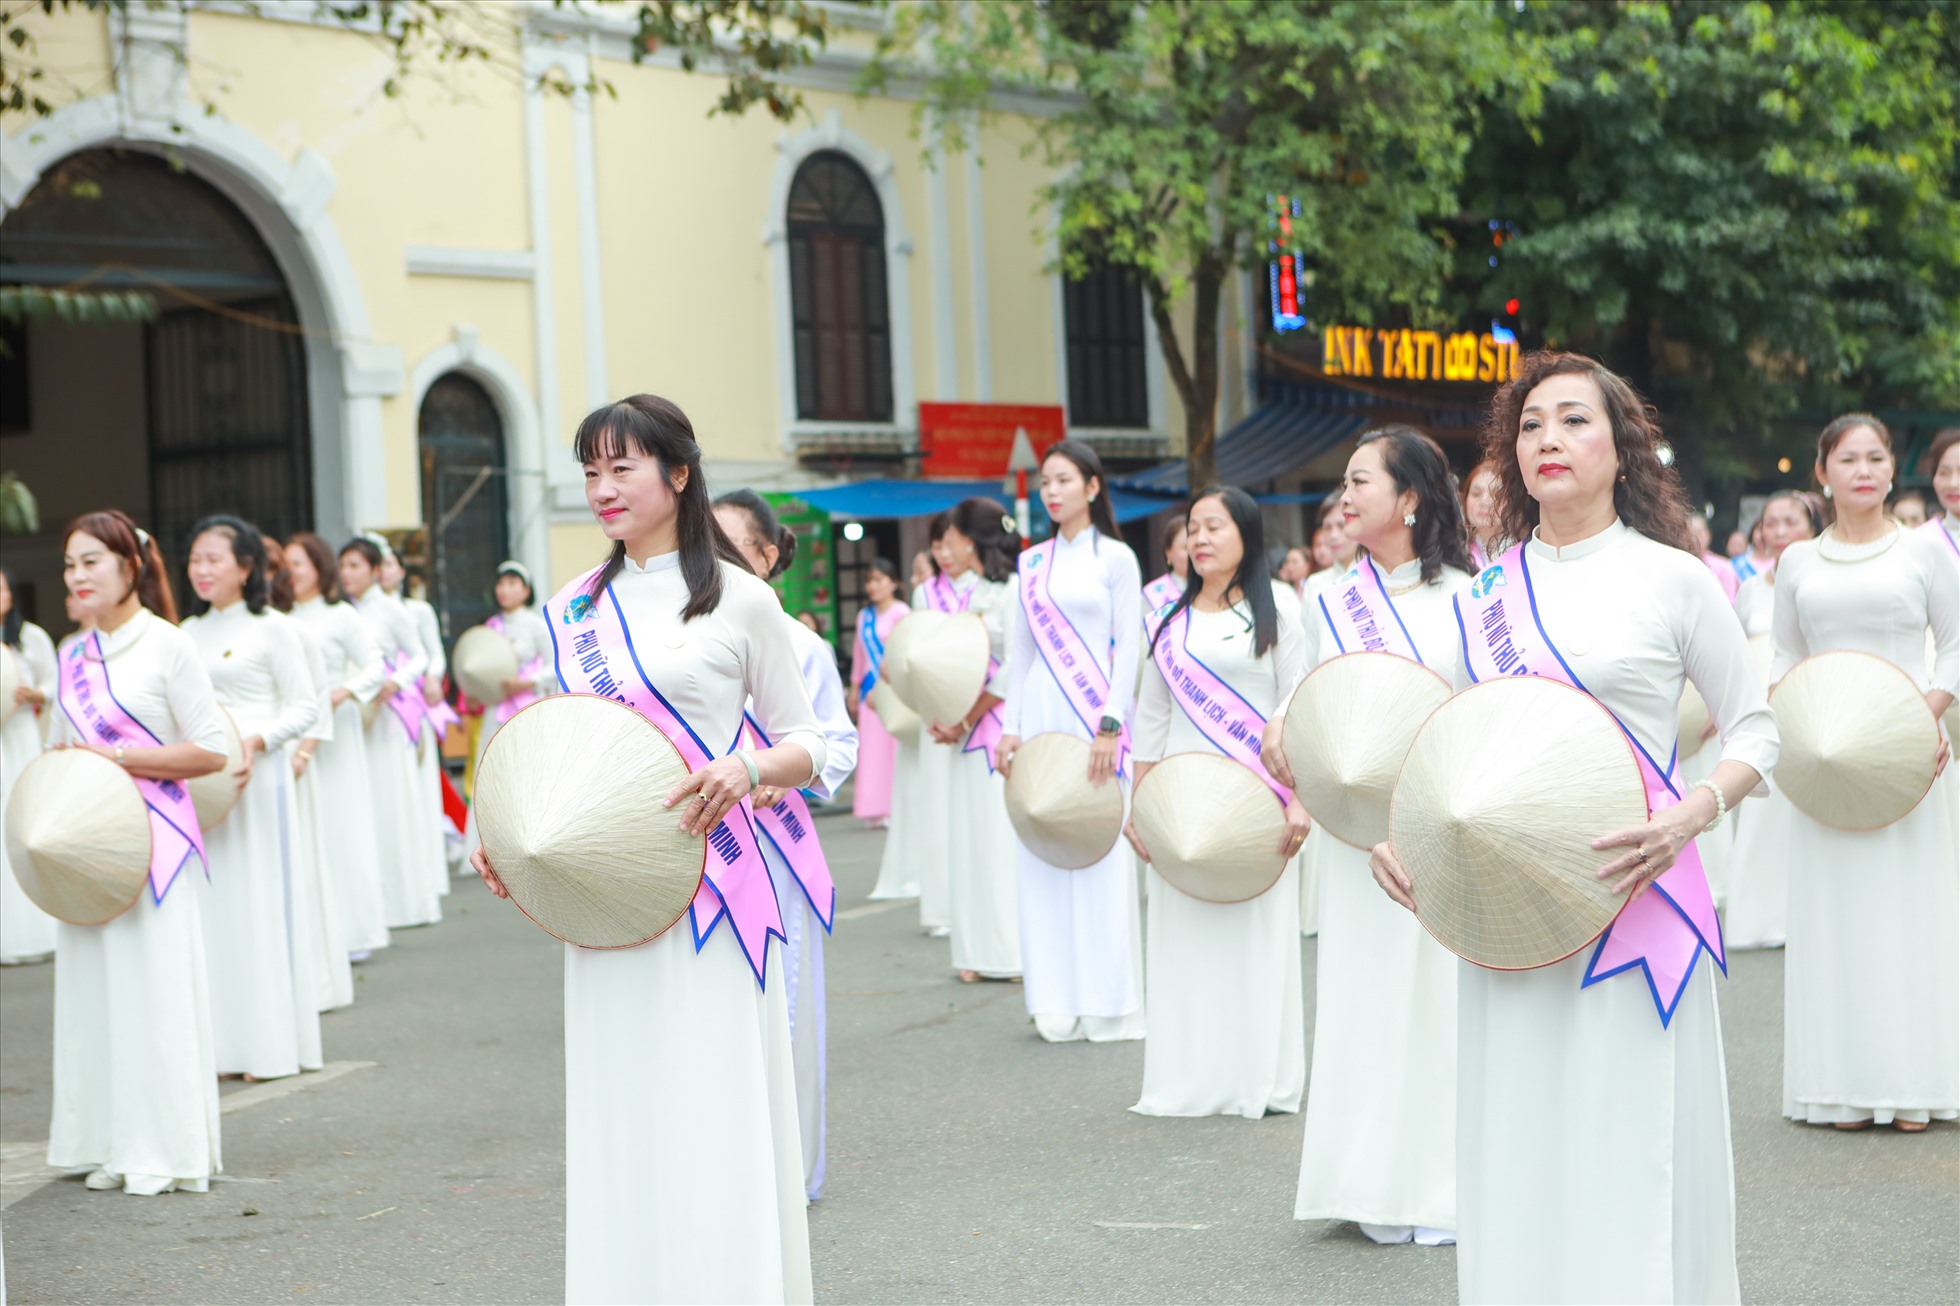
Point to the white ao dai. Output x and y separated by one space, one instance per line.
980 848
26 932
398 799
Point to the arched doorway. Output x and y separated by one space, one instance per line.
465 499
203 410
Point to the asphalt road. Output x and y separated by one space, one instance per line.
968 1161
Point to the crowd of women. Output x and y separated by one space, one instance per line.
1447 1102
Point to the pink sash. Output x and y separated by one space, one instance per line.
1362 615
602 660
1069 659
1233 726
1159 593
943 596
1937 528
529 674
1662 932
407 703
441 716
788 828
98 718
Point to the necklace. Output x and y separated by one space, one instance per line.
1862 551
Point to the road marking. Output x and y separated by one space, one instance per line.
874 908
24 1168
1144 1224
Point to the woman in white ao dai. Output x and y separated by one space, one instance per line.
26 932
1871 992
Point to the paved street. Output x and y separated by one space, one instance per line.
968 1161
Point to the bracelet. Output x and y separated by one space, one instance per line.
749 764
1721 802
119 757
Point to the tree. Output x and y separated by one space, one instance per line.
1172 122
1750 210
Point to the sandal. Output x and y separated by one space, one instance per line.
968 977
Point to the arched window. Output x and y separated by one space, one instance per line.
838 307
465 499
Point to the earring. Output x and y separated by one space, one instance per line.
1408 519
1827 492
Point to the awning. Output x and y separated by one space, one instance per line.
884 499
1278 440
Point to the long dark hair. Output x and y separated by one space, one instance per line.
1254 586
658 429
1416 462
1102 513
10 633
322 558
139 552
278 576
987 524
762 519
1648 494
248 547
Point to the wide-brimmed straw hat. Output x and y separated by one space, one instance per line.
936 663
1060 817
1858 740
568 804
482 661
78 836
1346 732
900 721
1212 827
9 682
214 795
1502 793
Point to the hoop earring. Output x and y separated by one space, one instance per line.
1408 519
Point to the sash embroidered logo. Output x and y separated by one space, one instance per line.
1491 578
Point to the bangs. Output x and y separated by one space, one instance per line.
618 430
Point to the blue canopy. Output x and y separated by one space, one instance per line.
882 499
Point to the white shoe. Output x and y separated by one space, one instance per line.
1427 1237
1389 1234
148 1185
101 1181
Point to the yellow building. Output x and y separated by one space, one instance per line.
388 312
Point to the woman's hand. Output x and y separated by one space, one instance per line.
300 760
1939 700
28 696
950 734
1297 825
1004 755
711 793
480 863
1272 750
1102 758
388 690
340 695
1655 845
431 690
765 796
251 746
1386 867
513 687
1136 841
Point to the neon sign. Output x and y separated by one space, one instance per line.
1286 273
1407 355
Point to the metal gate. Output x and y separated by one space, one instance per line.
465 500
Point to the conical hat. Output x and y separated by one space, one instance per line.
569 807
78 836
482 661
1858 740
9 682
937 663
1346 732
1213 828
214 795
1060 817
900 721
1693 717
1502 794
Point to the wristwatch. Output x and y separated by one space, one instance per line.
1110 726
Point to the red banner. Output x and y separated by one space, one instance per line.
972 442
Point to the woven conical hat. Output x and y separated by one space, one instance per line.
1501 796
1060 817
9 682
1212 827
937 663
1693 717
78 836
214 795
1858 740
568 804
1346 732
481 662
900 721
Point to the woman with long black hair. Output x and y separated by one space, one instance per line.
263 1020
981 546
26 932
921 843
683 1166
1380 1139
1227 1035
1081 945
